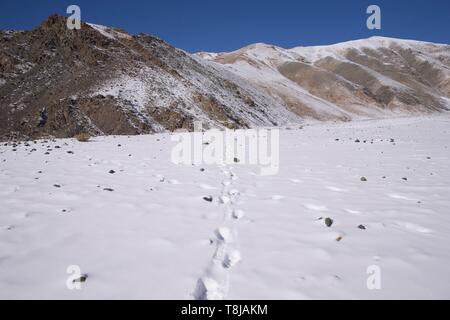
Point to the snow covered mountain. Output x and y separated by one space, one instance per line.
373 77
106 81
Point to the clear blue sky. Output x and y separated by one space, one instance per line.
211 25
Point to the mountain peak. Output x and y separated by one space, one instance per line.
54 20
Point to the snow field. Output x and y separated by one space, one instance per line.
146 231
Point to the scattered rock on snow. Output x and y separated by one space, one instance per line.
209 198
80 279
329 222
363 179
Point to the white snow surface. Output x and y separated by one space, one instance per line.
110 32
315 53
129 89
155 237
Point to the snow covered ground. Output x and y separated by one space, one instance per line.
145 230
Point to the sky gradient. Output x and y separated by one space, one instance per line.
216 26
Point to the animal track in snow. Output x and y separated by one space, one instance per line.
238 214
224 199
215 281
226 182
214 284
224 234
231 259
208 289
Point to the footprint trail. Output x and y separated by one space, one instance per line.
215 282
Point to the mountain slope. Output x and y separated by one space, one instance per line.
106 81
372 77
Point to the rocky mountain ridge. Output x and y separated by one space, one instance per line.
59 82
